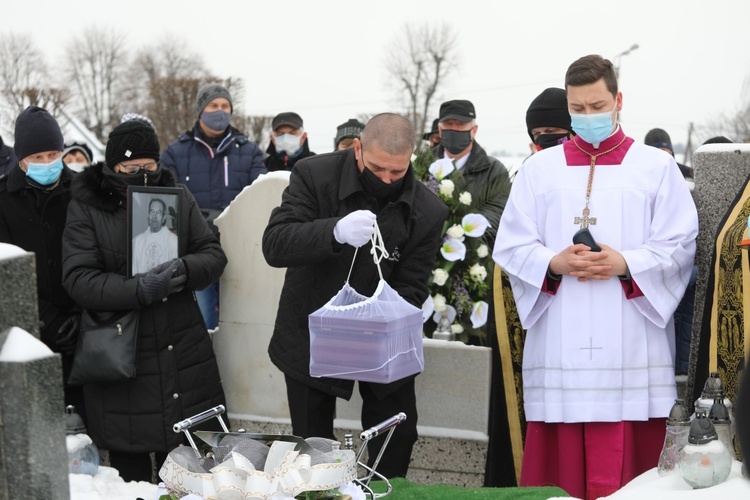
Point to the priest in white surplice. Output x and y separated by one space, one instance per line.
598 365
156 244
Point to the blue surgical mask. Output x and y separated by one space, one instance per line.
216 120
44 173
593 128
288 143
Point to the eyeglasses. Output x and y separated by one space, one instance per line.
158 213
134 169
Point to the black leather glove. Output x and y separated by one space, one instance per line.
157 286
67 334
180 270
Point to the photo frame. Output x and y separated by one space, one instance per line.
153 227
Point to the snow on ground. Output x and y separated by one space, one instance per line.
108 485
672 487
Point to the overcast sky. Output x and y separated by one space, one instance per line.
326 60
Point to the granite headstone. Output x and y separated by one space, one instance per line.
33 455
720 171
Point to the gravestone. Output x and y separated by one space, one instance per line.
720 171
33 455
452 393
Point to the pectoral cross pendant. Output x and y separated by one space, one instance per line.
585 220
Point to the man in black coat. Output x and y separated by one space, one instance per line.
7 158
327 211
483 176
34 197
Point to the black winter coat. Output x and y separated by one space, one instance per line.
34 219
323 189
274 161
7 158
177 374
487 180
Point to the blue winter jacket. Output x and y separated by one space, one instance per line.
214 178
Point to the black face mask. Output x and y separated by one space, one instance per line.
120 182
545 141
455 141
377 188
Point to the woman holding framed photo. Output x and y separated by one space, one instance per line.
176 374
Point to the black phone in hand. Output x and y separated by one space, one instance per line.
584 236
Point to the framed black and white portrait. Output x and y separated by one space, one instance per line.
153 229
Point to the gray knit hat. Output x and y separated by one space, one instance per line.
208 93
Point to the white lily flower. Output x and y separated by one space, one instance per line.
479 314
475 225
450 312
428 307
441 168
453 250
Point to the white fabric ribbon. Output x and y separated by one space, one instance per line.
287 473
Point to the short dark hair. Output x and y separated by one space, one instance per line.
590 69
393 133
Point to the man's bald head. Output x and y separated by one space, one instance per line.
390 132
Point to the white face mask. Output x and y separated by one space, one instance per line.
289 143
77 167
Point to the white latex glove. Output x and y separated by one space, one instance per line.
356 228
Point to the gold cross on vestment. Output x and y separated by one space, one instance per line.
585 220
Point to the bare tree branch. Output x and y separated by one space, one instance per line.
97 65
419 61
23 79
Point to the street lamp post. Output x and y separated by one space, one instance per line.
618 58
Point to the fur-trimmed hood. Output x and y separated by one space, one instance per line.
91 187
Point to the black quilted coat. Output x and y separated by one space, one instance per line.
323 189
177 374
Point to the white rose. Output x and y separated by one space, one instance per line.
483 251
465 198
456 232
457 329
439 302
439 276
446 187
478 272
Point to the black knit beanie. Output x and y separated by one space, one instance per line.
548 109
131 140
208 93
36 132
658 138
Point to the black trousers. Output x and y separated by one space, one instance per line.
312 413
135 466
